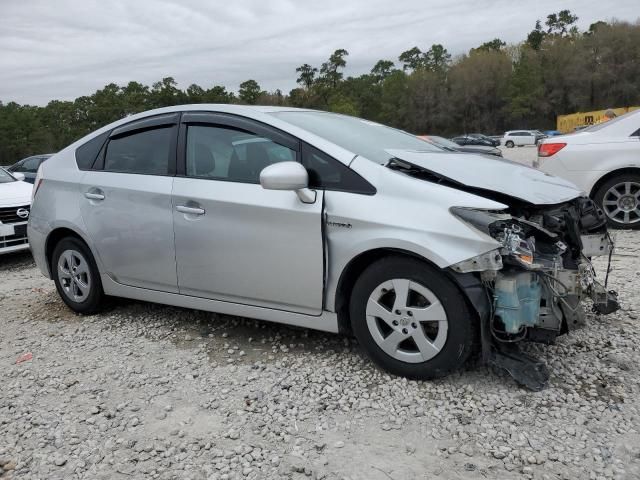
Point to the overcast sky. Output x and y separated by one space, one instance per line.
62 49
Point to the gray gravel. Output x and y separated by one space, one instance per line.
146 391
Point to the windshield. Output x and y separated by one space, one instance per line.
5 177
362 137
443 142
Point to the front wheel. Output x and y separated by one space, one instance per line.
76 276
619 198
411 319
509 144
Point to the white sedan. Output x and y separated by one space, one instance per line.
604 161
15 202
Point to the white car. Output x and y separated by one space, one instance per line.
519 138
15 201
604 161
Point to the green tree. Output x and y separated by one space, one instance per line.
526 90
437 58
250 92
412 59
306 75
166 93
330 72
561 23
494 45
382 69
536 36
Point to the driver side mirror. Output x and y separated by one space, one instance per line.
18 176
288 176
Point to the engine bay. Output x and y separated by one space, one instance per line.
537 281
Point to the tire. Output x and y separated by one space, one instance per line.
73 267
509 144
448 341
617 198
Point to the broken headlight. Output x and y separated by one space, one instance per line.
520 248
516 245
480 220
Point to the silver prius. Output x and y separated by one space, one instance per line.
323 221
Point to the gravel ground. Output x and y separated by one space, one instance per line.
526 154
147 391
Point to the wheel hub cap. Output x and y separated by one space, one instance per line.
407 320
621 203
74 275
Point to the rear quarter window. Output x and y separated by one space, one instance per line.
87 153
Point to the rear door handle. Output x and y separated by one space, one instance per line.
94 196
190 210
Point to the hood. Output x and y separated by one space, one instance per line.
492 174
15 193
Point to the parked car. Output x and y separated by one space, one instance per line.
495 142
468 140
539 135
604 161
29 166
519 138
454 147
324 221
15 199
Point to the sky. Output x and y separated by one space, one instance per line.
63 49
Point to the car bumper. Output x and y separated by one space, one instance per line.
37 241
14 240
14 248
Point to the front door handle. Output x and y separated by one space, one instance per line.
190 210
94 196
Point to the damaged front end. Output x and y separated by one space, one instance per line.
536 280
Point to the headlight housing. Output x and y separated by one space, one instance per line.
503 228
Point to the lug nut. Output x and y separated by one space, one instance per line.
395 322
405 331
414 325
410 313
397 312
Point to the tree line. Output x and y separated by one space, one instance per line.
556 70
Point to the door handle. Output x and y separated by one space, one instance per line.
94 196
190 210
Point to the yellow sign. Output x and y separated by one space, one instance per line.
568 123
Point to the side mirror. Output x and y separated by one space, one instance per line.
288 176
18 176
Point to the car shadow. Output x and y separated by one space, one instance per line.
14 260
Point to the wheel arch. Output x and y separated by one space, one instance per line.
612 174
352 271
55 236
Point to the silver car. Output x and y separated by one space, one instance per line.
323 221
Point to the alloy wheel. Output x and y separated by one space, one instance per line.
406 320
621 203
74 275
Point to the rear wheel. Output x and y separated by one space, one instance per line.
411 319
619 198
509 144
76 276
